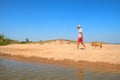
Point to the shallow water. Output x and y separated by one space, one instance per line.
18 70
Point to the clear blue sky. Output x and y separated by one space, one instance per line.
58 19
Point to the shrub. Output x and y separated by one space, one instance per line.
27 40
23 42
3 40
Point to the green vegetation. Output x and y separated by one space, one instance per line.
23 42
27 40
5 41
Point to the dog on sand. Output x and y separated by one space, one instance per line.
95 44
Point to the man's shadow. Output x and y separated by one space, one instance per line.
82 48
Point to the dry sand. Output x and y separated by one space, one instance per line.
110 53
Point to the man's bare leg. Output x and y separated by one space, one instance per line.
78 43
83 45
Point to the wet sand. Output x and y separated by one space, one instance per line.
57 51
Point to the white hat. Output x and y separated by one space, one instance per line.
79 26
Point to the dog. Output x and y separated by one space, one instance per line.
95 44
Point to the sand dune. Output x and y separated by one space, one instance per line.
110 53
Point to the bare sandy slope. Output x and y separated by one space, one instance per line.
109 53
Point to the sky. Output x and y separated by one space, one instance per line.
58 19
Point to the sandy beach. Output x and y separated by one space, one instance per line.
55 50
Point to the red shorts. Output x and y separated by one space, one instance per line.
80 39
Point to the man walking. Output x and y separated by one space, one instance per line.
80 37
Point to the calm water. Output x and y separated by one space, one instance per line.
16 70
